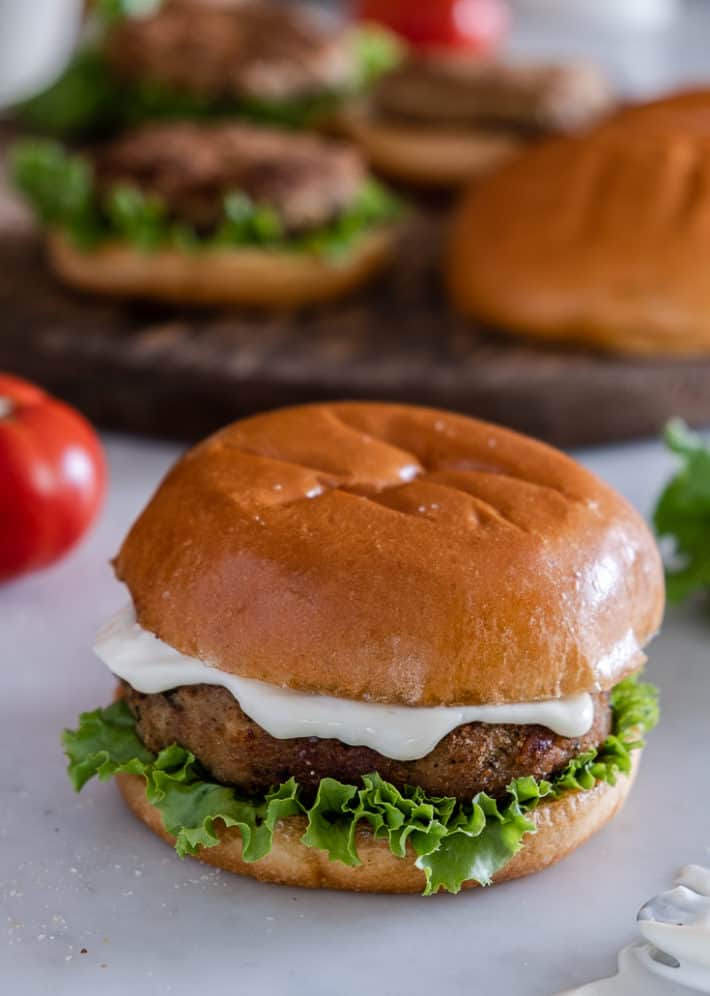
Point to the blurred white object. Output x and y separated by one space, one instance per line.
676 956
617 13
37 38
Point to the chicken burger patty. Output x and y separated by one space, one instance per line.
308 181
475 757
252 50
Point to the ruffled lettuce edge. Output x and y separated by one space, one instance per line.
454 841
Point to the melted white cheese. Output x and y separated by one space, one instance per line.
676 958
400 732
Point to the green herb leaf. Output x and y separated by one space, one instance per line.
683 514
454 841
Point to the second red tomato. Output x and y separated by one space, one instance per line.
476 26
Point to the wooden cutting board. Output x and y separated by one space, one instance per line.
182 374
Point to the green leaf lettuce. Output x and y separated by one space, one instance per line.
60 188
453 841
683 514
90 100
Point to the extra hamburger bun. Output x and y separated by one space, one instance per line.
599 240
562 826
438 121
395 554
429 157
682 111
257 278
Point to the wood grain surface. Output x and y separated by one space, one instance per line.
181 374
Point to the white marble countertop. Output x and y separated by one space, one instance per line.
78 872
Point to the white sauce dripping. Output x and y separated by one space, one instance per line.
400 732
676 957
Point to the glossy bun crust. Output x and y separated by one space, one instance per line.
681 112
396 554
600 240
562 826
221 278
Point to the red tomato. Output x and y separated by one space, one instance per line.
52 477
475 25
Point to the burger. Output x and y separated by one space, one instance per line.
378 648
262 60
437 120
210 214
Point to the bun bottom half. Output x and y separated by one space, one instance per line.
429 157
562 826
258 278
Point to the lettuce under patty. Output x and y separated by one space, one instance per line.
60 188
89 100
453 841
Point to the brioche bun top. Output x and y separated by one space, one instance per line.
683 112
599 238
394 554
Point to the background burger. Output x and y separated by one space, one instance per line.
378 648
214 214
439 119
264 60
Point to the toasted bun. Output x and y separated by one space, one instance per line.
599 240
562 826
226 277
395 554
429 157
